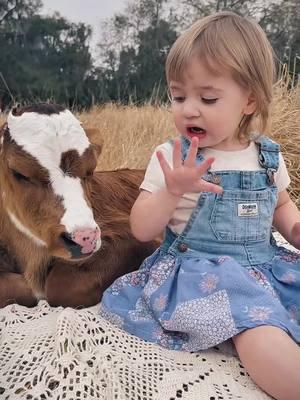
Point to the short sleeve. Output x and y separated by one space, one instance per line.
282 178
154 178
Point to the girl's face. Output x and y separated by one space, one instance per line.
209 106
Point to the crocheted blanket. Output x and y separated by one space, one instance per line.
56 353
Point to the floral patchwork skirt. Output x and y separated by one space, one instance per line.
193 304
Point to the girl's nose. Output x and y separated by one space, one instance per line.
191 109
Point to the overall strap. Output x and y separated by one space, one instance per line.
268 155
185 145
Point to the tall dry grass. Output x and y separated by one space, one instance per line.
131 133
285 129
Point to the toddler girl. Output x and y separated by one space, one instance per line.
216 191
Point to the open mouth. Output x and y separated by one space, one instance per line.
196 131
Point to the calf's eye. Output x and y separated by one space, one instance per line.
88 174
20 177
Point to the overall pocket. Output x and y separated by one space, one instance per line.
243 215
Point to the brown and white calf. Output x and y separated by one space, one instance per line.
64 229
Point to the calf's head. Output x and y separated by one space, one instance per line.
46 163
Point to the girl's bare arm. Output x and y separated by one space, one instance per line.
287 219
152 211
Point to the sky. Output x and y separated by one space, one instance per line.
88 11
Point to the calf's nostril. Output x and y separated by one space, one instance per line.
74 247
67 239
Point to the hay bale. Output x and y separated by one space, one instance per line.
131 133
285 129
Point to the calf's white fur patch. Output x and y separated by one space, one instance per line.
18 224
46 138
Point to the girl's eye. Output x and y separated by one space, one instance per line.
178 99
208 101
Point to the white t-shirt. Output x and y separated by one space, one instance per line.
241 160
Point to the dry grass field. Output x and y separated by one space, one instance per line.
129 134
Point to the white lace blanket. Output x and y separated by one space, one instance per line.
56 353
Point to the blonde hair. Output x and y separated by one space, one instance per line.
238 44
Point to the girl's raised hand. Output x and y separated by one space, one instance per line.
186 176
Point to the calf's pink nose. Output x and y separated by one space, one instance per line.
87 239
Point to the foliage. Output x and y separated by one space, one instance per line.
48 57
42 57
134 52
280 19
136 42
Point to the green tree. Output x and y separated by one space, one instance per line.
135 42
134 57
43 57
280 19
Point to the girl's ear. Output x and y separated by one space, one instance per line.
95 138
251 105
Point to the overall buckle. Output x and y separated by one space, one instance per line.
270 174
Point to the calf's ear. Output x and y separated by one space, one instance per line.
95 138
97 148
3 128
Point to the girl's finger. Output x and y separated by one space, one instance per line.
209 187
205 165
191 157
163 163
177 159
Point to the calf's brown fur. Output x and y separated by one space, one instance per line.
28 271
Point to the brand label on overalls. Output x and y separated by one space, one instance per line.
247 209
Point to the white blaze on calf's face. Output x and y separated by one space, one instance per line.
46 138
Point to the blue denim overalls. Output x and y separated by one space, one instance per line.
222 275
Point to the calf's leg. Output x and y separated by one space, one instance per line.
70 286
14 289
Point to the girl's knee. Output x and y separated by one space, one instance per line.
259 338
272 359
